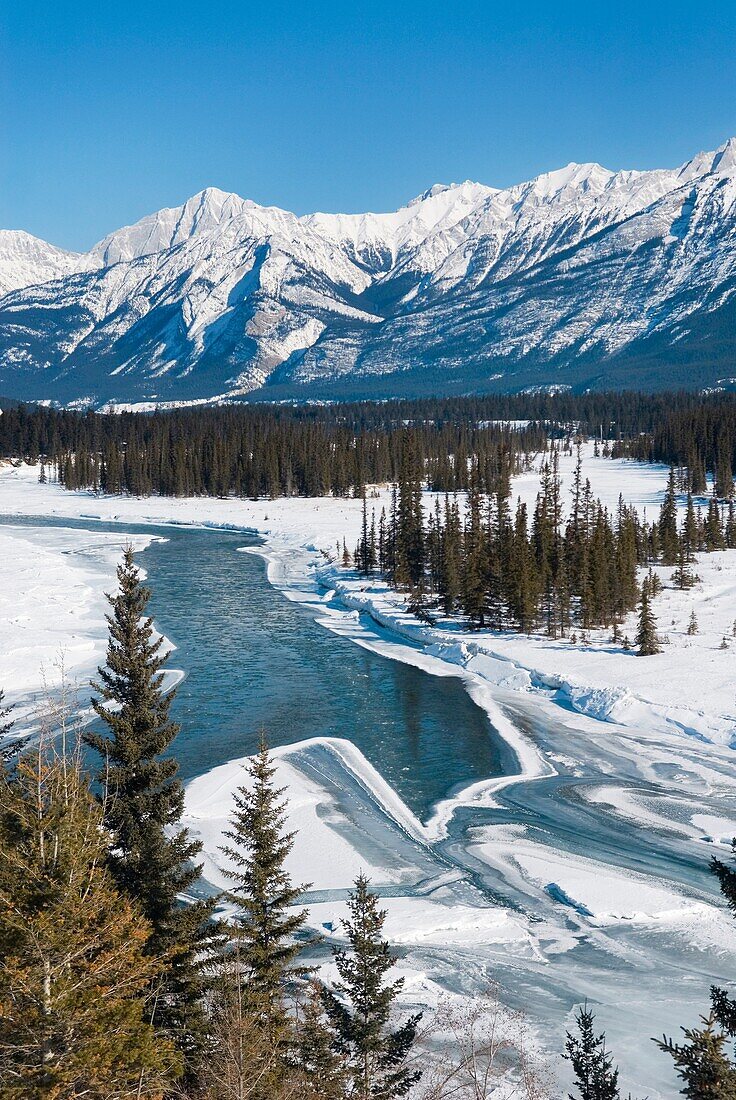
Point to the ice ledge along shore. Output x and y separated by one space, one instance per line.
686 689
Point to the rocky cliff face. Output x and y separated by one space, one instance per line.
580 277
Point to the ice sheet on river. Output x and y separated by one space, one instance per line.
521 904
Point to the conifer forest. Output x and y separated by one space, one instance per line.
572 559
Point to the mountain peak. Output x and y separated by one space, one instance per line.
173 225
588 177
724 158
466 187
25 260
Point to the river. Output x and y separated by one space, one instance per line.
254 660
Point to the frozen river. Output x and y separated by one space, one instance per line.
603 859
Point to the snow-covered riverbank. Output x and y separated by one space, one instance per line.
687 686
595 869
52 609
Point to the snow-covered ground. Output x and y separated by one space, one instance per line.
593 862
52 609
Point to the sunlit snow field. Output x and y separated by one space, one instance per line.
583 874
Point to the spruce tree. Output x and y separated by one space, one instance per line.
359 1008
150 857
5 727
724 1006
596 1078
646 634
263 945
668 523
702 1062
76 979
322 1064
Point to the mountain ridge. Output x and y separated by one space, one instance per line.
569 279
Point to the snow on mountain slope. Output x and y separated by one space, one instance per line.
377 240
203 213
579 277
26 260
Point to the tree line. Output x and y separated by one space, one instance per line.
570 566
112 987
273 450
251 451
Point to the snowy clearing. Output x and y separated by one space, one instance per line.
596 867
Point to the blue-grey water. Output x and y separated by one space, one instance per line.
254 660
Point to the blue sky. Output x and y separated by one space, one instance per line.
109 111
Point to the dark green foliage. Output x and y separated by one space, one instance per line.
5 727
702 1062
724 1006
318 1056
358 1010
596 1078
151 859
263 450
668 537
260 959
487 564
261 888
409 550
646 634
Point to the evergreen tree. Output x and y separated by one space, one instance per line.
359 1008
5 727
692 626
702 1062
690 529
723 1005
322 1064
410 550
668 523
150 857
723 482
683 575
263 941
596 1078
76 978
450 555
646 634
714 539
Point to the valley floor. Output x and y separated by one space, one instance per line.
580 876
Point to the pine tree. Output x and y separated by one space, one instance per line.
323 1066
668 523
410 550
723 1005
263 941
359 1009
596 1078
646 634
723 482
5 727
76 978
683 575
702 1062
692 626
150 857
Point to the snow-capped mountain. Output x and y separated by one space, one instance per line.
580 277
25 260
